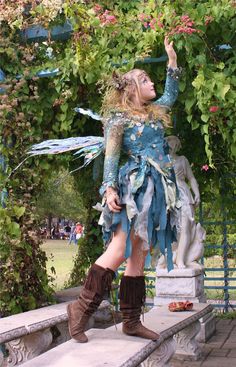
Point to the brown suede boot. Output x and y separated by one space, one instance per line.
97 282
132 298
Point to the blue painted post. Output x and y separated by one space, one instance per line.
225 248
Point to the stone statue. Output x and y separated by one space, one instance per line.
190 237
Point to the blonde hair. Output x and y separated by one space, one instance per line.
118 97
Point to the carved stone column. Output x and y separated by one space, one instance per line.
187 346
1 358
28 347
161 356
208 327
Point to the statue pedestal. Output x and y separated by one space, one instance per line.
184 285
179 285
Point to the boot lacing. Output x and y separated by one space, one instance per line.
107 279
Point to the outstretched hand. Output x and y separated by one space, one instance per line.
171 53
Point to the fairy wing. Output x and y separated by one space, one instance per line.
88 147
57 146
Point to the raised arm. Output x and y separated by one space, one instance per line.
113 131
173 72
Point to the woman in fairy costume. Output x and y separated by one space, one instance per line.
139 198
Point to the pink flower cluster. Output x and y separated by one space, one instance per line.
97 8
149 22
105 17
186 26
214 109
205 167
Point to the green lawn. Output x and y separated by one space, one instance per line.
217 262
60 256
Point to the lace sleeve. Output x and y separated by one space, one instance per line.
171 88
113 131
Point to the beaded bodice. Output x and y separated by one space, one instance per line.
142 140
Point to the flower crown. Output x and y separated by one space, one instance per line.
119 81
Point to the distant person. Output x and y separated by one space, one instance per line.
79 230
53 233
72 235
61 234
67 230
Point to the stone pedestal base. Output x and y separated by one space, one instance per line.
179 285
184 285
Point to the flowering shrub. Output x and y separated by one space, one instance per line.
185 25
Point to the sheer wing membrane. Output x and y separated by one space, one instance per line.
88 147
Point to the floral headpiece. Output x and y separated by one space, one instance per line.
119 81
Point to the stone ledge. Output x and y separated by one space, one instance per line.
107 344
19 325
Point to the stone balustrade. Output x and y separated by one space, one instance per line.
28 334
110 347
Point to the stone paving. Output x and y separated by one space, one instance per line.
219 351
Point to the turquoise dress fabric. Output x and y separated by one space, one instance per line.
145 182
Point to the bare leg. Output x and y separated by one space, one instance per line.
135 263
113 257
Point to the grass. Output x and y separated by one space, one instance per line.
60 256
217 262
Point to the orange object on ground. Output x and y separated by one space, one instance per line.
180 306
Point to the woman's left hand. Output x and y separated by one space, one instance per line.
171 53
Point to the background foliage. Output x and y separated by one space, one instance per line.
105 34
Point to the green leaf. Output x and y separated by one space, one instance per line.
224 90
206 138
233 150
189 103
194 125
64 107
204 129
19 211
205 118
189 118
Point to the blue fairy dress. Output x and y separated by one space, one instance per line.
146 182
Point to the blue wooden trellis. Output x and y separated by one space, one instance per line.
224 224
